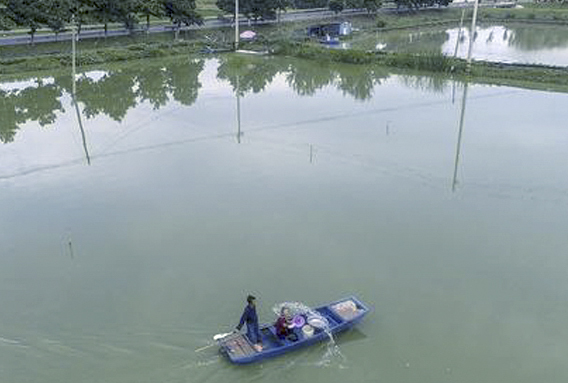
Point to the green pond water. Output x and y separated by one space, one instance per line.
127 240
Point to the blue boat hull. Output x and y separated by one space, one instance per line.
340 315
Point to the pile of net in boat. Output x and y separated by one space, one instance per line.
313 318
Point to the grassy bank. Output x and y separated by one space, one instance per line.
527 76
289 39
98 56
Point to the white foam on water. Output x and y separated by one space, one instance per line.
11 341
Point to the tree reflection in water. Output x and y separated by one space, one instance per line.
116 90
538 37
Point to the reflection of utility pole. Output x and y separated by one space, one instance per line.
74 92
460 132
458 38
239 134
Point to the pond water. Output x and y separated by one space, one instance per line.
128 240
513 43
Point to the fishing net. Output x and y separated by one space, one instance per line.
313 318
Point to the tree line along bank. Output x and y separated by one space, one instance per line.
58 15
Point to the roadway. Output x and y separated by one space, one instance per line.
45 36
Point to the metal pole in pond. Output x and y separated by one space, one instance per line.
472 34
236 24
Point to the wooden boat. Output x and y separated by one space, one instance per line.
340 315
330 41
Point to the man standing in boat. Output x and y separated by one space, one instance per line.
249 316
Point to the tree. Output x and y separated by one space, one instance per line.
282 6
150 8
81 11
305 4
57 13
227 6
336 6
108 11
253 9
259 9
25 13
5 20
372 6
410 4
181 12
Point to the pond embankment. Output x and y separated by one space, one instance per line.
289 39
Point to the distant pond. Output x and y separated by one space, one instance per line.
518 43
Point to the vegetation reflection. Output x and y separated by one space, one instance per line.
115 91
537 38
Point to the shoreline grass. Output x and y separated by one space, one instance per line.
279 39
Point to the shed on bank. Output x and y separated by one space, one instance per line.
343 28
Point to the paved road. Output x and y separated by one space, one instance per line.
10 38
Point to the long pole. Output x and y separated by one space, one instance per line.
236 24
472 34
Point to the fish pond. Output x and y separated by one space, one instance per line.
138 214
512 43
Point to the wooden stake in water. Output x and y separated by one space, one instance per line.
71 254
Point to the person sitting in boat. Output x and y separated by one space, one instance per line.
249 316
284 324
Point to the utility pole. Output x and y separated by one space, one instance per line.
74 53
236 24
472 32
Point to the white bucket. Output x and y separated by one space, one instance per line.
308 330
317 322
